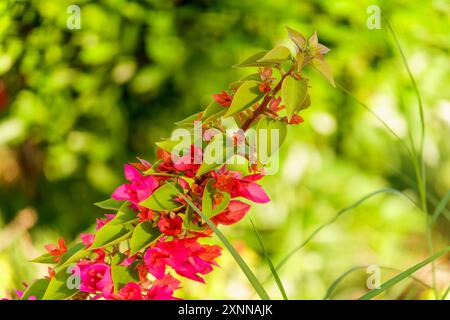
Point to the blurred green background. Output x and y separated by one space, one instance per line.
77 104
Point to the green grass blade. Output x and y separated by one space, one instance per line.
269 262
440 208
445 293
332 220
339 279
393 281
244 267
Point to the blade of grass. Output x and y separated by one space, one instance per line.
440 208
269 262
445 293
393 281
339 279
244 267
332 220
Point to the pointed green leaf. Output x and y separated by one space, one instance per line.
189 121
267 129
74 253
293 93
211 159
59 288
125 215
109 204
212 109
45 258
121 275
143 235
324 69
297 38
110 234
207 202
276 55
162 199
245 97
252 61
36 289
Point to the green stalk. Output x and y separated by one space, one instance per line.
393 281
244 267
339 279
269 262
418 162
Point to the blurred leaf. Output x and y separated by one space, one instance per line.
293 93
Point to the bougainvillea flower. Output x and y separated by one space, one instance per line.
235 211
170 226
264 87
140 188
145 214
186 256
96 277
87 240
162 289
238 186
296 119
131 291
57 250
102 221
142 165
223 98
189 163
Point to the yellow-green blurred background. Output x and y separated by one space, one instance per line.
77 104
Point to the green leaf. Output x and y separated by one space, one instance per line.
297 38
207 202
293 93
110 234
143 235
125 215
405 274
211 159
189 121
58 288
253 61
163 198
109 204
45 258
74 253
266 129
244 267
121 275
212 110
324 69
168 144
235 85
36 289
245 97
440 208
276 55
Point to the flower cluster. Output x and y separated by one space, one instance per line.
152 234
